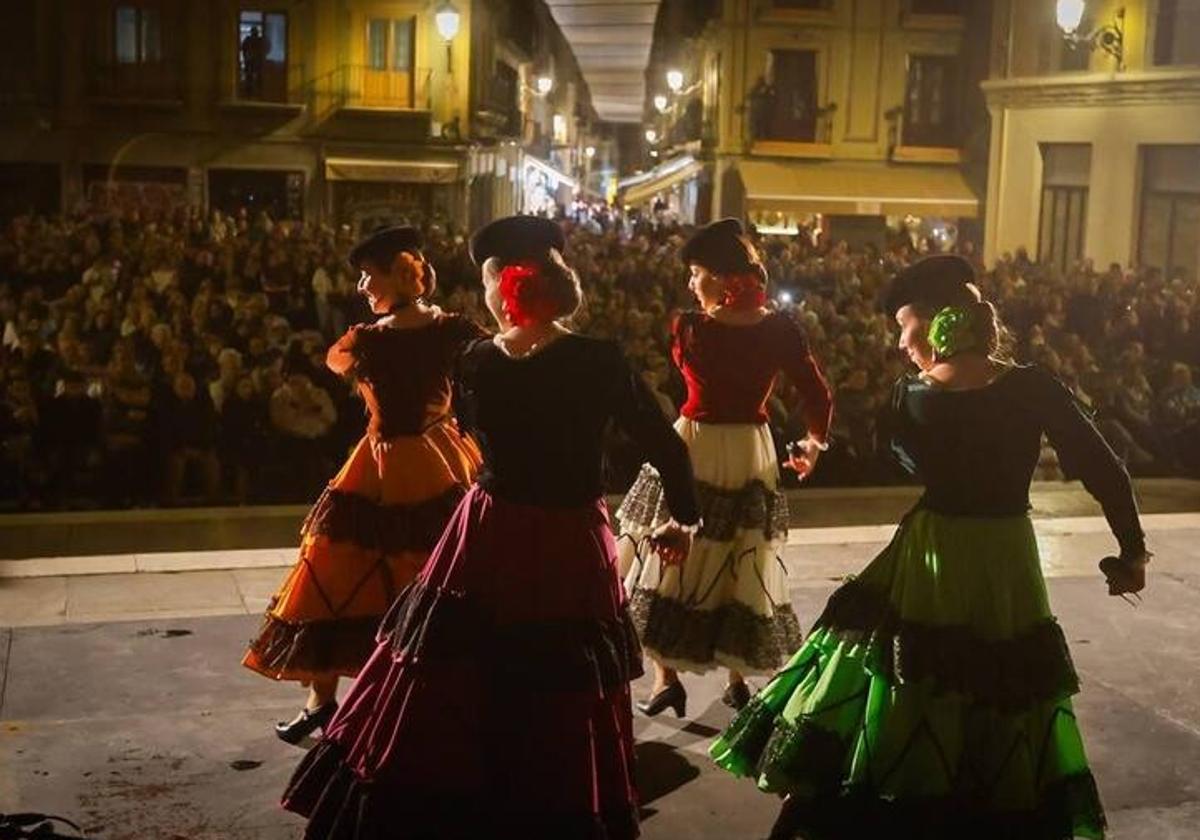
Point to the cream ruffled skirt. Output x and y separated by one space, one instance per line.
727 605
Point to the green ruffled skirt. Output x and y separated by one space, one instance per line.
931 699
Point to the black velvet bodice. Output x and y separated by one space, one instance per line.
975 450
541 420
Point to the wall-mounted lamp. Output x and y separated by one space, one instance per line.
1110 38
660 103
590 152
545 84
651 136
447 20
675 80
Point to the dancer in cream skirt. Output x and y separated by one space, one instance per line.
726 605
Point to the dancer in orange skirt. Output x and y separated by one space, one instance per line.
374 525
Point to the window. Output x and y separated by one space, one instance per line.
137 35
783 103
388 77
262 54
560 129
1175 29
390 45
506 87
402 45
1066 173
377 33
931 102
1169 235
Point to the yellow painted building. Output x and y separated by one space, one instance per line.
856 110
1092 157
357 111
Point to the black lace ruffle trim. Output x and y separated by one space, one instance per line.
287 650
1006 673
810 761
429 624
1066 806
341 806
682 633
754 507
391 529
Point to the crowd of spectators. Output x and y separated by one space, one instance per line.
178 358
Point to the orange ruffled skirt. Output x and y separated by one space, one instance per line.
365 539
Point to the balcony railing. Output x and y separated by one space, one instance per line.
360 86
141 81
271 85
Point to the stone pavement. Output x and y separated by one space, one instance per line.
123 708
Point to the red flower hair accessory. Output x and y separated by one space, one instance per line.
744 291
523 288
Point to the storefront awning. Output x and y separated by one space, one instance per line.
406 171
642 188
556 178
847 189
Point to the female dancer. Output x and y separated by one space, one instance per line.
374 525
727 604
497 703
932 697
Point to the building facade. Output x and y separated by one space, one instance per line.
355 111
1095 152
851 114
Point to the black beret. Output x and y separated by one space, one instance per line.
721 247
381 247
515 238
936 281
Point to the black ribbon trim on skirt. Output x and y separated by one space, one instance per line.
347 517
679 632
329 646
1006 674
341 806
752 507
810 761
429 625
857 813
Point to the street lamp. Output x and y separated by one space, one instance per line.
1069 14
447 20
1110 37
675 80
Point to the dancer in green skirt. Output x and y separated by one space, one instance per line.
931 699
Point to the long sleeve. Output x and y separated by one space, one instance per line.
796 359
638 414
1084 454
892 428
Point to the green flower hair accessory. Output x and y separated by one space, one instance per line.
951 332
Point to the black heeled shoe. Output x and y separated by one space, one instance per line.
305 723
736 696
672 696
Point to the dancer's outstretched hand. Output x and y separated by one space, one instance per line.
802 457
672 542
1125 575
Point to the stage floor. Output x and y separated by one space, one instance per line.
123 707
